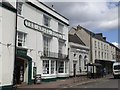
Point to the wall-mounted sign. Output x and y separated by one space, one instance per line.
43 29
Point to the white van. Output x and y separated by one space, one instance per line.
116 69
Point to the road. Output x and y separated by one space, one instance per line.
103 83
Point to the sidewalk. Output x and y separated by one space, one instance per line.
65 83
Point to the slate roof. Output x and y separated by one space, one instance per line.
8 6
75 39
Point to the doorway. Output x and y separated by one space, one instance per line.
21 71
74 70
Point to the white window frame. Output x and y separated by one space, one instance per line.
53 67
46 20
60 28
21 40
60 47
46 45
46 66
61 67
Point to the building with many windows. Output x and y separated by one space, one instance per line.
42 43
78 56
7 44
102 53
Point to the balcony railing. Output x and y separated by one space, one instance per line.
54 55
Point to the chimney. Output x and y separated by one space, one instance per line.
104 38
53 7
99 34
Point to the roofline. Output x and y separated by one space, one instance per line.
30 3
6 6
53 10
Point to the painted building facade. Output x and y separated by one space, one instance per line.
7 43
101 51
42 43
78 56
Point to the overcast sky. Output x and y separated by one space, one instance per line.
95 16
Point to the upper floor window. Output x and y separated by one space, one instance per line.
21 39
60 27
95 54
95 44
46 20
101 46
46 46
19 7
60 47
98 45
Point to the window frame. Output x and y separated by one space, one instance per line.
21 40
46 20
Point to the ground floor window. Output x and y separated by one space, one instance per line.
52 67
66 68
61 67
45 66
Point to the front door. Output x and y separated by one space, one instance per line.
74 69
19 71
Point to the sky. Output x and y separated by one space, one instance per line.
94 16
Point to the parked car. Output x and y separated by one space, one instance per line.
116 69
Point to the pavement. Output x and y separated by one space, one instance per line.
65 83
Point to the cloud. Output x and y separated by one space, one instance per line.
116 44
102 16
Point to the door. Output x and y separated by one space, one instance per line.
74 69
19 71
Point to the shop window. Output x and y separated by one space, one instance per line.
21 39
52 67
45 66
46 20
61 67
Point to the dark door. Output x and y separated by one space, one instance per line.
74 69
19 71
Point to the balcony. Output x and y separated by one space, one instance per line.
54 55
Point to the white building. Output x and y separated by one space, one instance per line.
78 56
101 51
7 43
42 43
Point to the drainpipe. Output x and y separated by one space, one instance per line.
15 50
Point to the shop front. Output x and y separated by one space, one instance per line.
106 65
22 68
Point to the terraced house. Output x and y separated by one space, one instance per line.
7 43
102 53
42 43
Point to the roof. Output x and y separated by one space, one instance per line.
75 39
8 6
94 35
41 9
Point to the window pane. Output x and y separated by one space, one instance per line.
52 67
21 39
46 21
61 67
60 28
45 66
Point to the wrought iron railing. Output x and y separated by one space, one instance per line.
54 55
